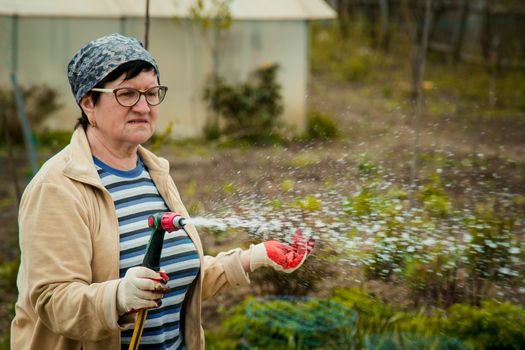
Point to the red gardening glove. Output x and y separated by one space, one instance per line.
282 257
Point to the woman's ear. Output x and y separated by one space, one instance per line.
87 105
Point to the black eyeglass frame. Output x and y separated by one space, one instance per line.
162 88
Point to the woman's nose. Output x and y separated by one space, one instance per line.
142 105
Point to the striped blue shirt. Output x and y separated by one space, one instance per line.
136 197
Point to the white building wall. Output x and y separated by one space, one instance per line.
183 54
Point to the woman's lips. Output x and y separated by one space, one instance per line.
138 121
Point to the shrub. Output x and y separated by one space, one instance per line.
431 276
160 139
229 335
290 323
434 197
355 66
54 139
492 326
285 323
8 272
40 102
374 315
5 341
411 341
488 255
442 254
321 126
250 110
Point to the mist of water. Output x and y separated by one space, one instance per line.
390 228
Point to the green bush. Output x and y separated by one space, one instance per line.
491 253
55 139
229 335
374 315
431 276
321 126
334 55
250 110
434 197
292 323
275 324
8 272
491 326
442 254
283 323
160 139
5 342
40 103
355 67
412 341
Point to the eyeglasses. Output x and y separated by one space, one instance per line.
128 97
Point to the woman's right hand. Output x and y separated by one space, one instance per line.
140 288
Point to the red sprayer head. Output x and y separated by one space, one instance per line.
172 221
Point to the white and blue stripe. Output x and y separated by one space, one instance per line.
136 197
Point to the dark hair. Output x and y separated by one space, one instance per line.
131 69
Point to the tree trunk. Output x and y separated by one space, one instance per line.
385 32
371 23
486 31
460 33
418 70
343 13
407 18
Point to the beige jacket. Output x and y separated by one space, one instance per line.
69 268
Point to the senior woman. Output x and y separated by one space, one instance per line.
83 223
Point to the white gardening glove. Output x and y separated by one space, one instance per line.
140 288
282 257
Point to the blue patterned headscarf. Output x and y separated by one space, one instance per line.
98 58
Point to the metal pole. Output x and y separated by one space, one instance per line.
26 129
20 107
14 44
146 23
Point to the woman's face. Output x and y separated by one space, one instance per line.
126 126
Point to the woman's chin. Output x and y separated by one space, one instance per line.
141 137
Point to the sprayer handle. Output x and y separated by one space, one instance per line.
156 241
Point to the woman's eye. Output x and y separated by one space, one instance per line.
126 94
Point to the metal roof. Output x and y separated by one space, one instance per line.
240 9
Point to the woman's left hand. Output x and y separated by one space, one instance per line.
280 256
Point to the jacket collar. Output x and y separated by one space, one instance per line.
80 166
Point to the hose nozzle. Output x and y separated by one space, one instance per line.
172 221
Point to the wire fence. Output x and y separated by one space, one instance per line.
412 341
302 323
286 322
